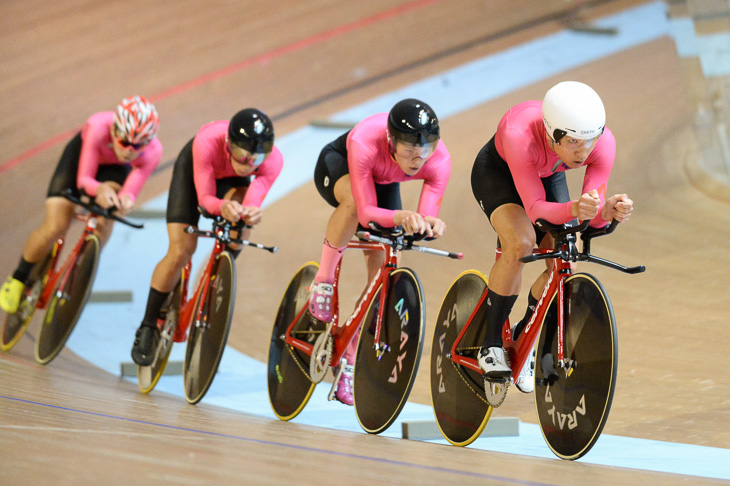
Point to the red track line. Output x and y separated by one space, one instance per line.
259 59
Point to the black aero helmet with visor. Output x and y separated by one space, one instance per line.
250 136
413 123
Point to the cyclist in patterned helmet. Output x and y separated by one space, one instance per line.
519 177
228 169
359 174
109 160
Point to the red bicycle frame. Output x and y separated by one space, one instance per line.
186 317
518 351
343 333
53 275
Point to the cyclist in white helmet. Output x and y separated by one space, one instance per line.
519 177
109 159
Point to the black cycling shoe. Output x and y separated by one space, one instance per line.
145 344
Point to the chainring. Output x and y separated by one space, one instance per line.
319 364
496 392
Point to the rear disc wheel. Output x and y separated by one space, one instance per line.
289 384
457 392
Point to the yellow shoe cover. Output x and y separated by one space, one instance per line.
10 294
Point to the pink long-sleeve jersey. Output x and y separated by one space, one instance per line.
370 162
521 142
212 162
97 149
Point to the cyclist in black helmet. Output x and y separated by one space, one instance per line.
227 168
359 175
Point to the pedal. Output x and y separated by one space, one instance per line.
340 369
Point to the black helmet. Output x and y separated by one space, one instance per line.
251 130
414 122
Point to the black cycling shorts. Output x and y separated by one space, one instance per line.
182 199
332 165
493 185
67 170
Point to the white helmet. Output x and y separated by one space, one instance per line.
575 109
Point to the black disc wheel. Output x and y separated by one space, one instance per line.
69 297
289 384
457 392
148 376
14 325
385 371
208 332
573 401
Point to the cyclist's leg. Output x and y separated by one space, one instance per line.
517 240
333 183
58 216
15 324
59 211
182 211
341 225
388 197
148 376
164 278
495 191
556 190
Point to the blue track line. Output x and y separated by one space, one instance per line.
287 446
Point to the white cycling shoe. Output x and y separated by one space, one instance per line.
526 381
493 363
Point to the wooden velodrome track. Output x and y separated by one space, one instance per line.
60 61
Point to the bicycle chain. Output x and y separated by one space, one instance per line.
296 359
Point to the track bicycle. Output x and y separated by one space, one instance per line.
207 314
391 314
63 291
574 328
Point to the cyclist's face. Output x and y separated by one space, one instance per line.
243 161
124 151
574 151
410 158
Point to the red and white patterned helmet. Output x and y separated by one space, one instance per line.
136 120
